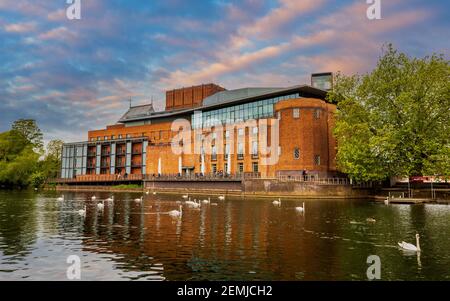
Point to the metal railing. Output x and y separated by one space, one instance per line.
310 179
194 177
313 179
102 178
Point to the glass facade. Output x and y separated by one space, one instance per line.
242 112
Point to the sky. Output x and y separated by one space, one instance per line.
77 75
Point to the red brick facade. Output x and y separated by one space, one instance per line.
305 139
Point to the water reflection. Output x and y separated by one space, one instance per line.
235 240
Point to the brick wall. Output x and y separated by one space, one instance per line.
190 97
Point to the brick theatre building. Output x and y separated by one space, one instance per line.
207 129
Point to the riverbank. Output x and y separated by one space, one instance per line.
333 193
216 192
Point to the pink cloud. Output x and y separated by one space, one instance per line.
20 27
59 33
57 15
30 8
288 11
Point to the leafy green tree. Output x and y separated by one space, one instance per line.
394 121
30 130
37 179
54 149
51 165
12 143
17 172
20 153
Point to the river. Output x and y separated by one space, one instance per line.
234 239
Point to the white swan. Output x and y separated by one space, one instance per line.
154 192
193 204
221 197
139 200
111 199
371 220
60 199
185 196
147 192
206 201
410 247
82 212
176 213
101 206
300 209
386 201
93 197
277 202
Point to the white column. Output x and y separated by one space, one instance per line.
180 165
202 168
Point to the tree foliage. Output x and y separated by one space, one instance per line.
21 160
29 129
395 120
18 160
51 164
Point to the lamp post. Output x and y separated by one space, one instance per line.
432 194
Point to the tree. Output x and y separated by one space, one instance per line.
17 172
18 153
394 121
54 148
51 164
30 131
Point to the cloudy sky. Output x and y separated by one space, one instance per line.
76 75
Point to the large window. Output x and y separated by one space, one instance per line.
316 113
241 112
240 167
296 113
213 153
316 160
255 167
255 148
240 150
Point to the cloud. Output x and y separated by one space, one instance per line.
59 33
288 10
73 76
57 15
20 27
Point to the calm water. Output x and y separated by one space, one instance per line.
235 240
